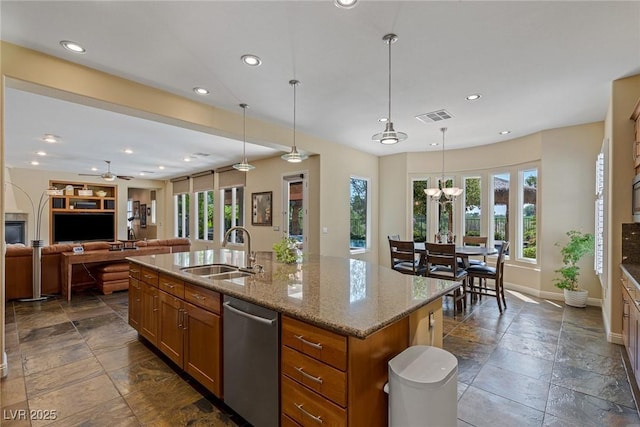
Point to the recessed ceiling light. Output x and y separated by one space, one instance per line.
41 153
51 139
72 46
251 60
505 132
141 174
187 159
201 90
128 150
161 167
383 119
94 168
35 163
434 144
474 96
345 4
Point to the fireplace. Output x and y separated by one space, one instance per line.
15 228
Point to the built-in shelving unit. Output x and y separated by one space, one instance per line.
83 198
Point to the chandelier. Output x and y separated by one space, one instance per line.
443 194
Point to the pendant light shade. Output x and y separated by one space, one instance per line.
446 194
390 135
294 156
244 165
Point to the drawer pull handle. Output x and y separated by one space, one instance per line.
148 276
308 414
312 344
311 377
169 285
134 271
199 297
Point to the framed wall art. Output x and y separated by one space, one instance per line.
143 216
261 208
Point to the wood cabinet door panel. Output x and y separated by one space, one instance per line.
308 408
202 297
135 303
134 270
149 319
171 337
149 276
326 346
321 378
202 347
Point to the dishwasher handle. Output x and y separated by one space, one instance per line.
269 322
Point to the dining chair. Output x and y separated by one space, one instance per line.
405 259
495 274
442 263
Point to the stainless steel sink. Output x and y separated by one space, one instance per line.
217 271
209 270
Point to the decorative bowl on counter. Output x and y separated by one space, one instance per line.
101 193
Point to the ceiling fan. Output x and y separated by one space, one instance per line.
107 176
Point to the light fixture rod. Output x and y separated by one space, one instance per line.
443 130
294 83
244 132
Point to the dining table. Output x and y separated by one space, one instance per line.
464 252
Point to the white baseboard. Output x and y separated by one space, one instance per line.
555 296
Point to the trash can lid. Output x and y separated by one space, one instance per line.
426 365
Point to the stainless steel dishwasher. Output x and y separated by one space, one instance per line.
251 347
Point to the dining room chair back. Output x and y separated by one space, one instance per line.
495 274
475 241
442 263
404 257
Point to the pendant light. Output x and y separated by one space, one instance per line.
390 135
294 156
244 166
450 193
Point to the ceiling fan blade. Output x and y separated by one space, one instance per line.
125 177
89 174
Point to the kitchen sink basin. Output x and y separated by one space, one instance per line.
211 269
217 271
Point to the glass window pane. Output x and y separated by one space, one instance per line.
529 208
501 207
296 213
204 219
182 215
419 222
472 206
358 204
233 212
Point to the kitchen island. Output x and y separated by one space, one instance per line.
342 320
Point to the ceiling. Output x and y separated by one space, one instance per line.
538 65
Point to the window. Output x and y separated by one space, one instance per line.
233 212
154 207
419 202
359 207
472 206
599 234
204 215
501 206
181 214
528 226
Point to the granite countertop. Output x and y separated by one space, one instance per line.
348 296
633 270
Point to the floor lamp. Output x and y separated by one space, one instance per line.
36 244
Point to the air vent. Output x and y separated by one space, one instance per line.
201 154
434 116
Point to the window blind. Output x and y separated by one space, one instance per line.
180 185
229 177
202 181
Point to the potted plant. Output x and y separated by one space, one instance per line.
286 250
579 245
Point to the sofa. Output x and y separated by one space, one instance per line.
19 272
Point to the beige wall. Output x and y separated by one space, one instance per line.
624 95
565 155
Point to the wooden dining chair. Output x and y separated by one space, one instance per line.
495 274
442 263
405 259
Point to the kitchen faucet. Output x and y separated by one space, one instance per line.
250 256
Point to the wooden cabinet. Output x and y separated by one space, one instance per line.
83 197
190 334
631 322
333 378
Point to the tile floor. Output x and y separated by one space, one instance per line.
537 364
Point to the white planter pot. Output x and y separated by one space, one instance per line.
576 298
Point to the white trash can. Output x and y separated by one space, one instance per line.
423 388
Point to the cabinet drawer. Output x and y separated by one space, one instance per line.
309 409
134 270
149 276
203 297
171 285
325 380
318 343
285 421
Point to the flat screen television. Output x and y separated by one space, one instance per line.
83 227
